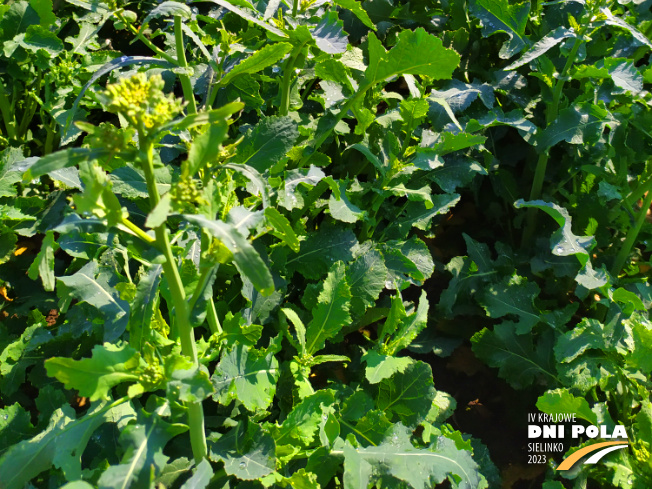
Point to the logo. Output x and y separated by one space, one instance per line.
601 450
550 434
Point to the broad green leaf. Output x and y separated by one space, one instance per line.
14 359
282 228
408 328
504 17
357 10
94 377
539 48
512 296
450 143
341 208
68 176
396 316
144 459
39 38
205 147
96 287
201 478
166 9
590 334
419 216
63 159
303 421
380 367
331 313
61 444
246 258
434 60
418 467
267 143
407 262
579 124
519 360
15 426
237 331
408 394
44 10
43 265
565 243
189 383
129 182
247 374
421 194
329 35
562 401
9 171
611 19
247 451
641 330
17 19
267 56
291 197
321 249
366 277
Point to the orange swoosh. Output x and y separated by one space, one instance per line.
570 461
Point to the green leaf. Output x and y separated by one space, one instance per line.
237 331
43 265
291 198
95 287
419 216
641 330
321 249
143 306
408 328
206 146
357 10
381 367
407 394
366 277
267 56
246 450
298 326
562 401
578 124
519 361
15 426
61 444
249 17
618 22
63 159
512 296
267 143
144 442
166 9
44 10
589 334
329 35
418 467
247 374
565 243
501 16
16 20
208 117
282 228
188 383
549 41
38 38
94 377
246 258
395 317
303 421
130 182
434 60
331 313
9 171
341 208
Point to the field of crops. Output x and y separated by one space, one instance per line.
309 244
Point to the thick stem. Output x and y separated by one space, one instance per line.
7 114
295 7
632 234
542 163
288 71
181 311
181 61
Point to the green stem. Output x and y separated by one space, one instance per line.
181 311
181 61
542 163
288 71
211 317
295 7
144 40
633 232
137 231
7 114
201 285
